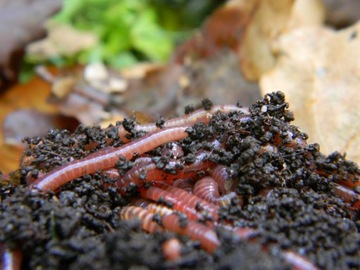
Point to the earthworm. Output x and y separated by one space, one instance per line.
350 181
268 148
149 172
295 142
160 195
242 233
192 118
111 173
195 230
297 261
173 150
10 259
145 217
348 195
107 157
141 202
172 249
184 184
207 189
160 209
222 177
192 201
292 141
199 232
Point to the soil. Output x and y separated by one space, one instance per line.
286 186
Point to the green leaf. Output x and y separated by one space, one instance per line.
151 40
123 60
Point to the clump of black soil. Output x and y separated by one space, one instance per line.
285 184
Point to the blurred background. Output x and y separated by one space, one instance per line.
94 62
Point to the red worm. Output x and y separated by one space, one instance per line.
157 194
172 249
184 184
268 148
207 189
225 200
243 233
348 195
199 232
106 158
350 181
196 231
293 142
148 172
145 217
10 259
192 201
197 116
160 209
173 150
298 262
141 202
222 177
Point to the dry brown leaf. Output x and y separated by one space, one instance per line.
30 99
319 70
87 94
21 22
62 40
270 19
249 28
31 95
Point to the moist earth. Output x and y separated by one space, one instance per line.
287 194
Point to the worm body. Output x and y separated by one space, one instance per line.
195 230
172 249
106 158
193 202
160 195
160 209
298 262
145 217
192 118
222 177
348 195
184 184
208 189
149 172
10 259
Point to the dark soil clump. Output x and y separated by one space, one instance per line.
286 187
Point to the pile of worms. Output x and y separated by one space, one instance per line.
219 182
